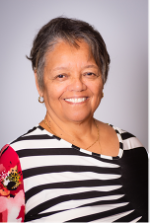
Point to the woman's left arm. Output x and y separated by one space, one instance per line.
134 165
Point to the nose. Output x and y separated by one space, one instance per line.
77 85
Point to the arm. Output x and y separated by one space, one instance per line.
12 198
135 172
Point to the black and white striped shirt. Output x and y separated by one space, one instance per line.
64 183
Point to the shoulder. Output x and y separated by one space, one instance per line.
34 141
128 140
131 144
133 150
24 140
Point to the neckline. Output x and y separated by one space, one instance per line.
68 144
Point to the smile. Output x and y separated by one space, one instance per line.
76 100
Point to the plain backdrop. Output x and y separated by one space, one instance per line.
124 27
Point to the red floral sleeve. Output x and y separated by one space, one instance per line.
12 197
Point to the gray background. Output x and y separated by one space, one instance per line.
124 27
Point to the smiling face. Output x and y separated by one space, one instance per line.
72 83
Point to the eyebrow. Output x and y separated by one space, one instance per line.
91 66
64 67
59 68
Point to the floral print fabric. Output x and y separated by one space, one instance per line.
12 198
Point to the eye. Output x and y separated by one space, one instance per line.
90 75
60 76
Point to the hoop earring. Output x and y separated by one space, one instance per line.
41 99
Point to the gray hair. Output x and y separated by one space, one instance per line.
70 30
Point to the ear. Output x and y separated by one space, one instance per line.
37 84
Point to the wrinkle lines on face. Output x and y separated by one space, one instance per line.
71 73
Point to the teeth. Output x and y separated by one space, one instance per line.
76 100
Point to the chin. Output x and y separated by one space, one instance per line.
79 117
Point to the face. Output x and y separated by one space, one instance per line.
72 83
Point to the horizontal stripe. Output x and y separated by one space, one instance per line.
47 152
64 177
69 202
24 144
86 151
54 193
106 184
113 218
60 160
34 137
76 203
74 169
137 219
132 217
106 157
78 197
36 215
75 196
131 143
80 212
45 218
126 135
103 214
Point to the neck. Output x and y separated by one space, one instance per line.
74 130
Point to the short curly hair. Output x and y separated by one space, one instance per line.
70 30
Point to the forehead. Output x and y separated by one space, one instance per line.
64 52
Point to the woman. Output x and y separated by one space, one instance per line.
71 167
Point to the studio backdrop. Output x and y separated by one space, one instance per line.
124 27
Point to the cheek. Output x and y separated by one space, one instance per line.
54 91
96 89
